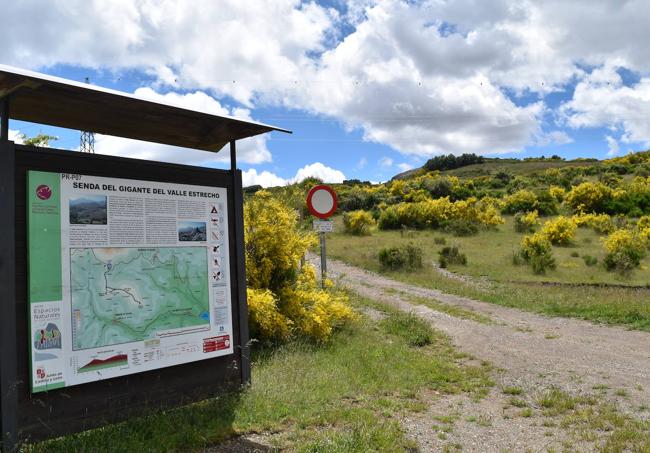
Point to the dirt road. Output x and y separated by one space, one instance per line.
530 352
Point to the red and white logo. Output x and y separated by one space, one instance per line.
40 372
43 192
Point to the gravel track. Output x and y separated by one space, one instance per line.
529 351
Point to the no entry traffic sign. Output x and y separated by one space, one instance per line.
321 201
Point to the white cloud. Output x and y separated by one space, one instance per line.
404 166
554 138
196 44
320 171
267 179
612 145
15 136
423 77
362 163
385 162
251 150
602 100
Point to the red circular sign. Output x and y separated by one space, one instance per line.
43 192
321 201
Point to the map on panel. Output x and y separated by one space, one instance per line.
122 295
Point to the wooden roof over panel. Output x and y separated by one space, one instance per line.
40 98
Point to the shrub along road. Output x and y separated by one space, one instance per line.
564 383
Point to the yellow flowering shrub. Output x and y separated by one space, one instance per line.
644 234
559 231
265 319
274 245
315 312
493 201
397 188
285 299
588 197
537 251
520 201
643 229
643 222
557 193
526 222
358 223
438 212
418 195
489 216
624 250
601 223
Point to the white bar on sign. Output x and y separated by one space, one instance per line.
323 226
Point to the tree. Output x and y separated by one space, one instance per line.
42 140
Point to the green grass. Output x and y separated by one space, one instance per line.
342 396
412 329
524 168
451 310
497 280
593 421
513 391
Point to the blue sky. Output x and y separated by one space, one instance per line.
370 88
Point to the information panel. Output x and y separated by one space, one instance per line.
124 276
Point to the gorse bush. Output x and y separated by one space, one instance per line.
537 251
407 257
358 223
559 231
525 222
438 213
451 255
265 318
624 251
589 197
520 201
284 299
557 193
600 223
643 222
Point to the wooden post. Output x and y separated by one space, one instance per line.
4 119
323 259
8 390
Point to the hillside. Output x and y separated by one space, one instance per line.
492 166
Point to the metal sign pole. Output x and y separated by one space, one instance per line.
323 259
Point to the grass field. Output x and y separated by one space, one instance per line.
489 256
344 396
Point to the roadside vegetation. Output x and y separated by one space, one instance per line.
346 395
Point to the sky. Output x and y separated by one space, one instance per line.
369 88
